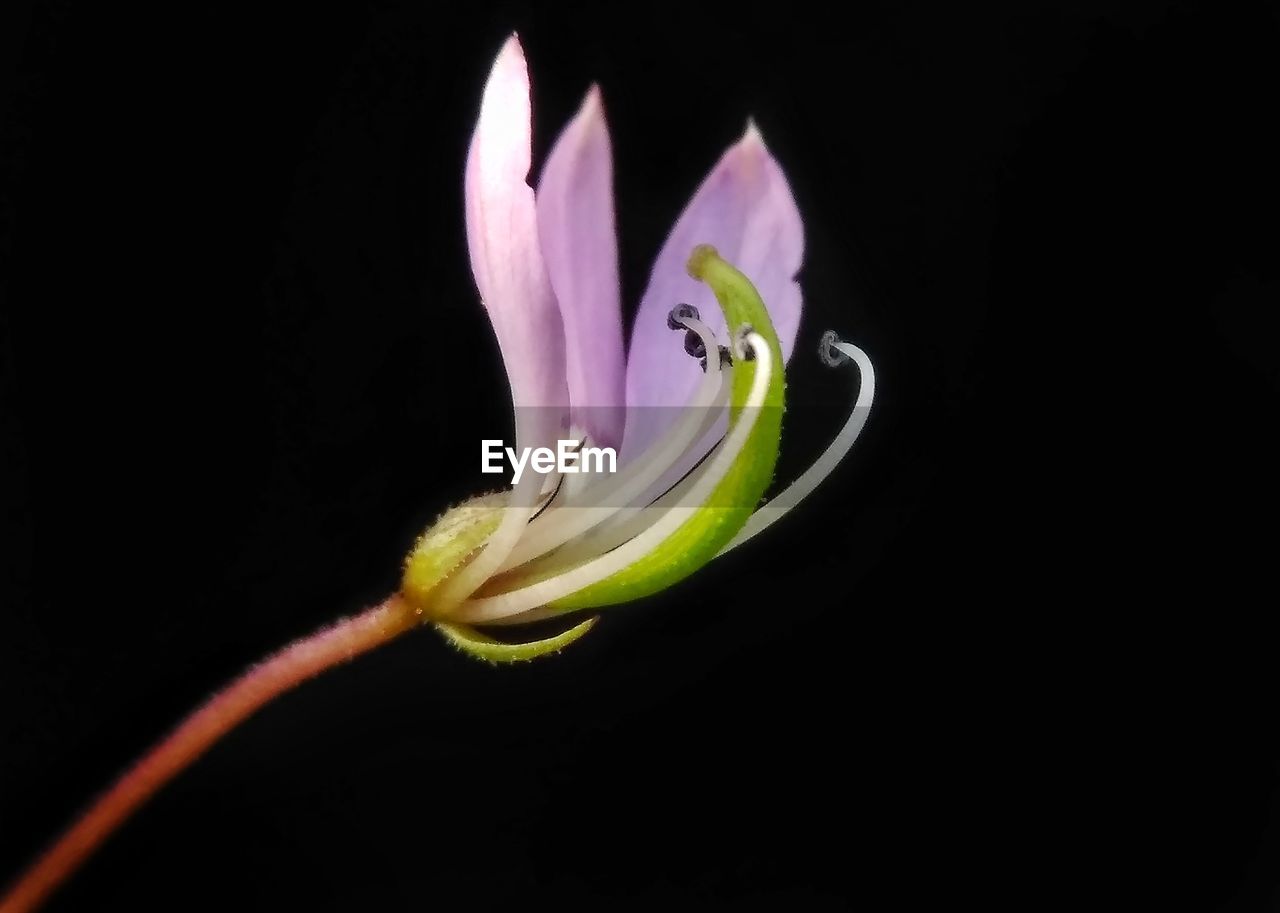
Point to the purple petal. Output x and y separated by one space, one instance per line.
745 209
580 247
502 236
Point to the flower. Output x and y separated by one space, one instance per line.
699 436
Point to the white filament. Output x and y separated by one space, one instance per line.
794 493
522 504
573 484
559 524
630 521
584 575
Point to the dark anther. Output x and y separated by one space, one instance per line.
827 351
726 359
744 344
694 345
681 312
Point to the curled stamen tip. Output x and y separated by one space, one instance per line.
680 313
698 260
827 351
746 351
694 345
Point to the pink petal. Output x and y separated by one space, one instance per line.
580 247
745 209
502 235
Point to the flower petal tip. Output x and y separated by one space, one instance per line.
503 129
510 61
589 123
749 157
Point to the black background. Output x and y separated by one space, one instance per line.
1019 650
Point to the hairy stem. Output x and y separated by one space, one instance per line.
272 677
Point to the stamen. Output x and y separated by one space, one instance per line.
833 353
548 498
558 525
679 314
571 485
524 618
628 522
522 504
827 351
545 591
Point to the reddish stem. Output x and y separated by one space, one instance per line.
275 675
